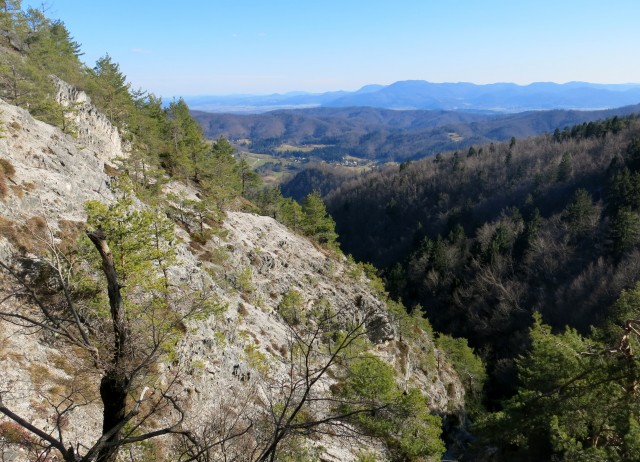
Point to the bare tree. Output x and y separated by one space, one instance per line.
300 406
302 400
122 348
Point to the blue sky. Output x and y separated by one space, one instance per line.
217 47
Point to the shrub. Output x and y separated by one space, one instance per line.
291 307
469 367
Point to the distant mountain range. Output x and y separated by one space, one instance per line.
419 94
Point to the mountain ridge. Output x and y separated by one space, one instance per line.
502 97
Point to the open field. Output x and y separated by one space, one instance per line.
304 148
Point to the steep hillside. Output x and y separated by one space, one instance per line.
230 370
484 239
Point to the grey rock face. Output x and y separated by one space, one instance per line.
93 129
258 261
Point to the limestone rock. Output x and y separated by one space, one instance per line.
92 128
248 268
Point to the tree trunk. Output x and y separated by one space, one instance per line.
113 391
114 385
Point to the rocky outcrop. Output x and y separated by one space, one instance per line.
54 172
92 128
249 266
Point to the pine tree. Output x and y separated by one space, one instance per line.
53 49
316 222
148 130
110 91
187 153
580 214
625 229
219 179
11 22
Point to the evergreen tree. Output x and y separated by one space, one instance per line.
148 129
580 214
564 168
53 49
576 399
11 21
316 222
220 180
291 214
625 230
187 153
110 91
248 178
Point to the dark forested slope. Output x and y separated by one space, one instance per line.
483 238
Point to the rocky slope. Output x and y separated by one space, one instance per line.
47 178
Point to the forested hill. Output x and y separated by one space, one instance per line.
384 135
484 238
551 221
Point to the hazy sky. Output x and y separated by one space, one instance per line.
216 47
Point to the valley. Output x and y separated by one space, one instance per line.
382 135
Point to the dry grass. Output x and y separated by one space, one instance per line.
69 233
110 170
27 236
4 188
39 375
18 190
7 167
8 230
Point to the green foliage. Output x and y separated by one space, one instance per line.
256 359
140 239
245 280
469 367
402 420
53 49
291 214
25 85
357 270
219 174
148 132
575 400
372 379
47 49
581 214
625 230
187 149
564 168
291 308
110 91
367 456
316 222
249 180
624 189
626 307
